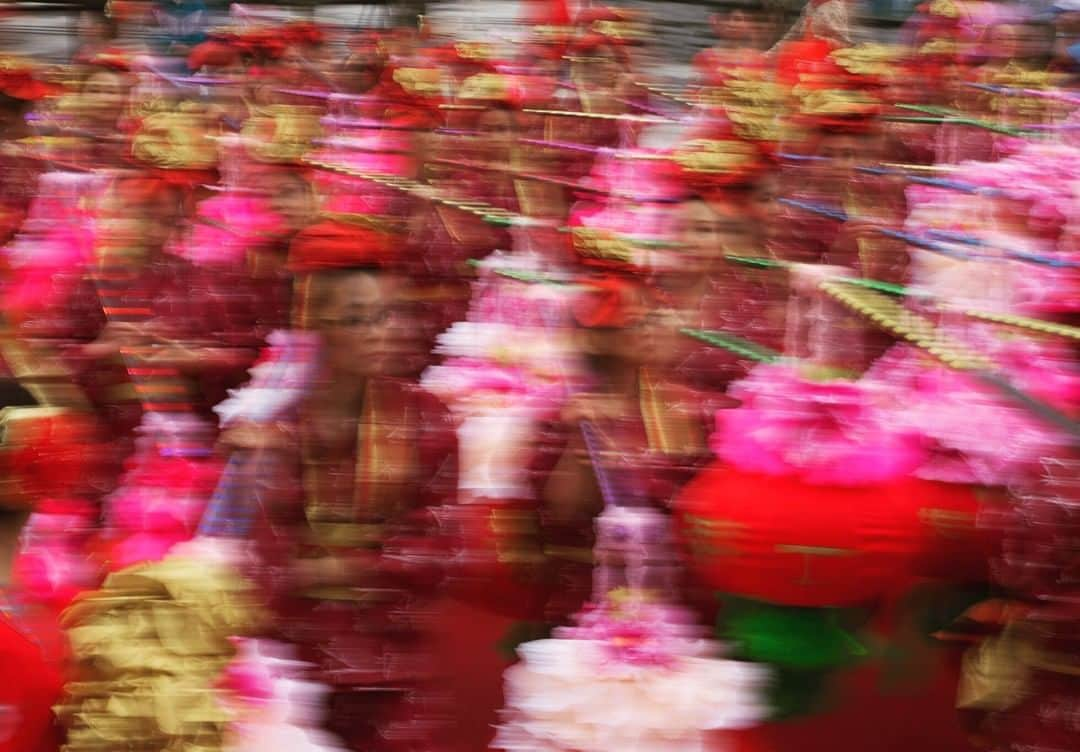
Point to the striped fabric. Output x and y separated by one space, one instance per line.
233 509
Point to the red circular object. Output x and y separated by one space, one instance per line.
780 540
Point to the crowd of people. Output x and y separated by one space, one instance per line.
333 356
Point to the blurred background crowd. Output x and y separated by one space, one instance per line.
545 376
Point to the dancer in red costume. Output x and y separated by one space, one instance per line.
355 465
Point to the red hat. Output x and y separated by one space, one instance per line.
609 301
712 157
505 90
338 244
607 28
831 95
216 53
547 13
302 33
114 58
47 452
551 25
17 81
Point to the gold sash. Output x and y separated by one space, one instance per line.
385 467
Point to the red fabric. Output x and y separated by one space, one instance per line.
212 53
32 684
493 537
20 84
548 13
51 456
609 301
339 245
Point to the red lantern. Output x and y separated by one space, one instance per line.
781 540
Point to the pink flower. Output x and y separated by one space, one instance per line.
822 431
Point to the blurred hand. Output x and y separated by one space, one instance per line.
116 336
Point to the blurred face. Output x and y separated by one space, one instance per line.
371 326
699 231
103 96
599 70
496 128
842 153
12 112
841 150
656 342
744 28
1021 41
360 72
707 231
294 199
139 219
652 341
763 201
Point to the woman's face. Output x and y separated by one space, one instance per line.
103 96
496 131
293 198
600 71
653 340
699 232
656 341
707 232
371 325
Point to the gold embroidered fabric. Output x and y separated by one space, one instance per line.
151 644
175 141
282 133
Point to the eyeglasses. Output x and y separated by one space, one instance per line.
375 317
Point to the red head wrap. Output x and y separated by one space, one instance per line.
609 302
17 81
213 53
335 244
47 452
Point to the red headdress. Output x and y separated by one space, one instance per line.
336 244
17 80
214 53
113 58
607 27
552 28
609 302
829 96
412 93
712 157
301 33
47 453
